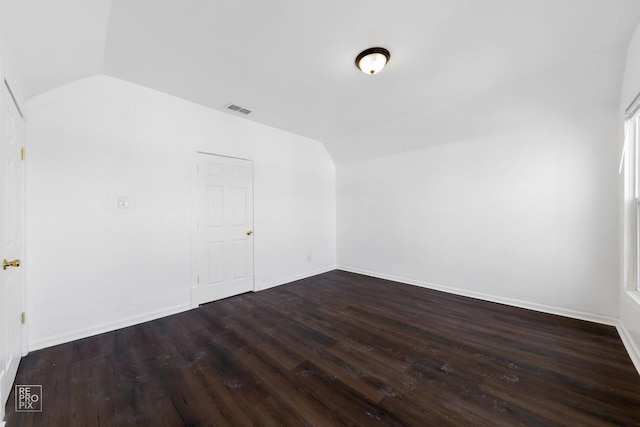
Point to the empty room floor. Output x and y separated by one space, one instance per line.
339 349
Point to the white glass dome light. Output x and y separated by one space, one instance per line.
372 60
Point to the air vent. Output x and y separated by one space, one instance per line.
238 109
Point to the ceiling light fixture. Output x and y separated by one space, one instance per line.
372 60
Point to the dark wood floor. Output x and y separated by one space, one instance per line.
340 349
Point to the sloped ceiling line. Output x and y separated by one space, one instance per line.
293 62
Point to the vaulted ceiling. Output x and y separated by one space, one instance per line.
292 62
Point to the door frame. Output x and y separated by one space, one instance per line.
193 226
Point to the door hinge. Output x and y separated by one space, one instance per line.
198 280
22 318
197 168
22 153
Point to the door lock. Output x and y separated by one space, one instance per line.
14 263
249 233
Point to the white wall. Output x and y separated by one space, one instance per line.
9 70
517 202
93 267
630 300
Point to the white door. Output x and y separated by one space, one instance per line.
11 242
223 221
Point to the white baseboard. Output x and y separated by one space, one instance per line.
294 278
632 349
492 298
629 344
106 327
134 320
627 340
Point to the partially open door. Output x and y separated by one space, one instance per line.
12 153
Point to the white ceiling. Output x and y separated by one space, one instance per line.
292 62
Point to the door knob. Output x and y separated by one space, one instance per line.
14 263
249 233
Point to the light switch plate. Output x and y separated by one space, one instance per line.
123 202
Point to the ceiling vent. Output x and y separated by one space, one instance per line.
238 109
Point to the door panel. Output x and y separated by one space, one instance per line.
215 206
239 206
216 263
11 242
239 259
223 210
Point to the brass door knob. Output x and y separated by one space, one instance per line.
14 263
249 233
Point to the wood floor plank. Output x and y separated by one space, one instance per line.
288 388
339 349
